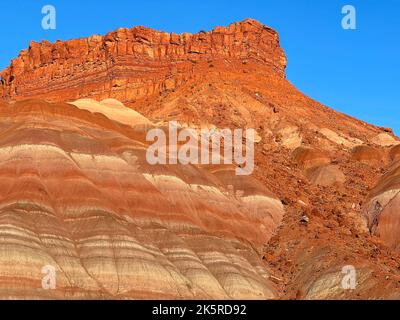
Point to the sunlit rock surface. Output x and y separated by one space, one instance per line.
383 208
75 175
77 194
132 64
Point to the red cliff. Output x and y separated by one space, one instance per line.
129 64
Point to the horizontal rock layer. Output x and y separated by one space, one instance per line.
130 64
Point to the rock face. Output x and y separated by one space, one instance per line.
131 64
383 207
78 194
395 153
368 155
308 158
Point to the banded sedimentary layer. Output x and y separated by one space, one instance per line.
383 204
77 194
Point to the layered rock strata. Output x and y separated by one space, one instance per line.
131 64
78 194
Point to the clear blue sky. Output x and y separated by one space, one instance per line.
356 72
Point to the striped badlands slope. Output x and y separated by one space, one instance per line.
77 194
382 208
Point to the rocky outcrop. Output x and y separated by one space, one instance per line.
382 208
368 155
326 175
308 158
384 140
394 153
130 64
114 110
317 167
